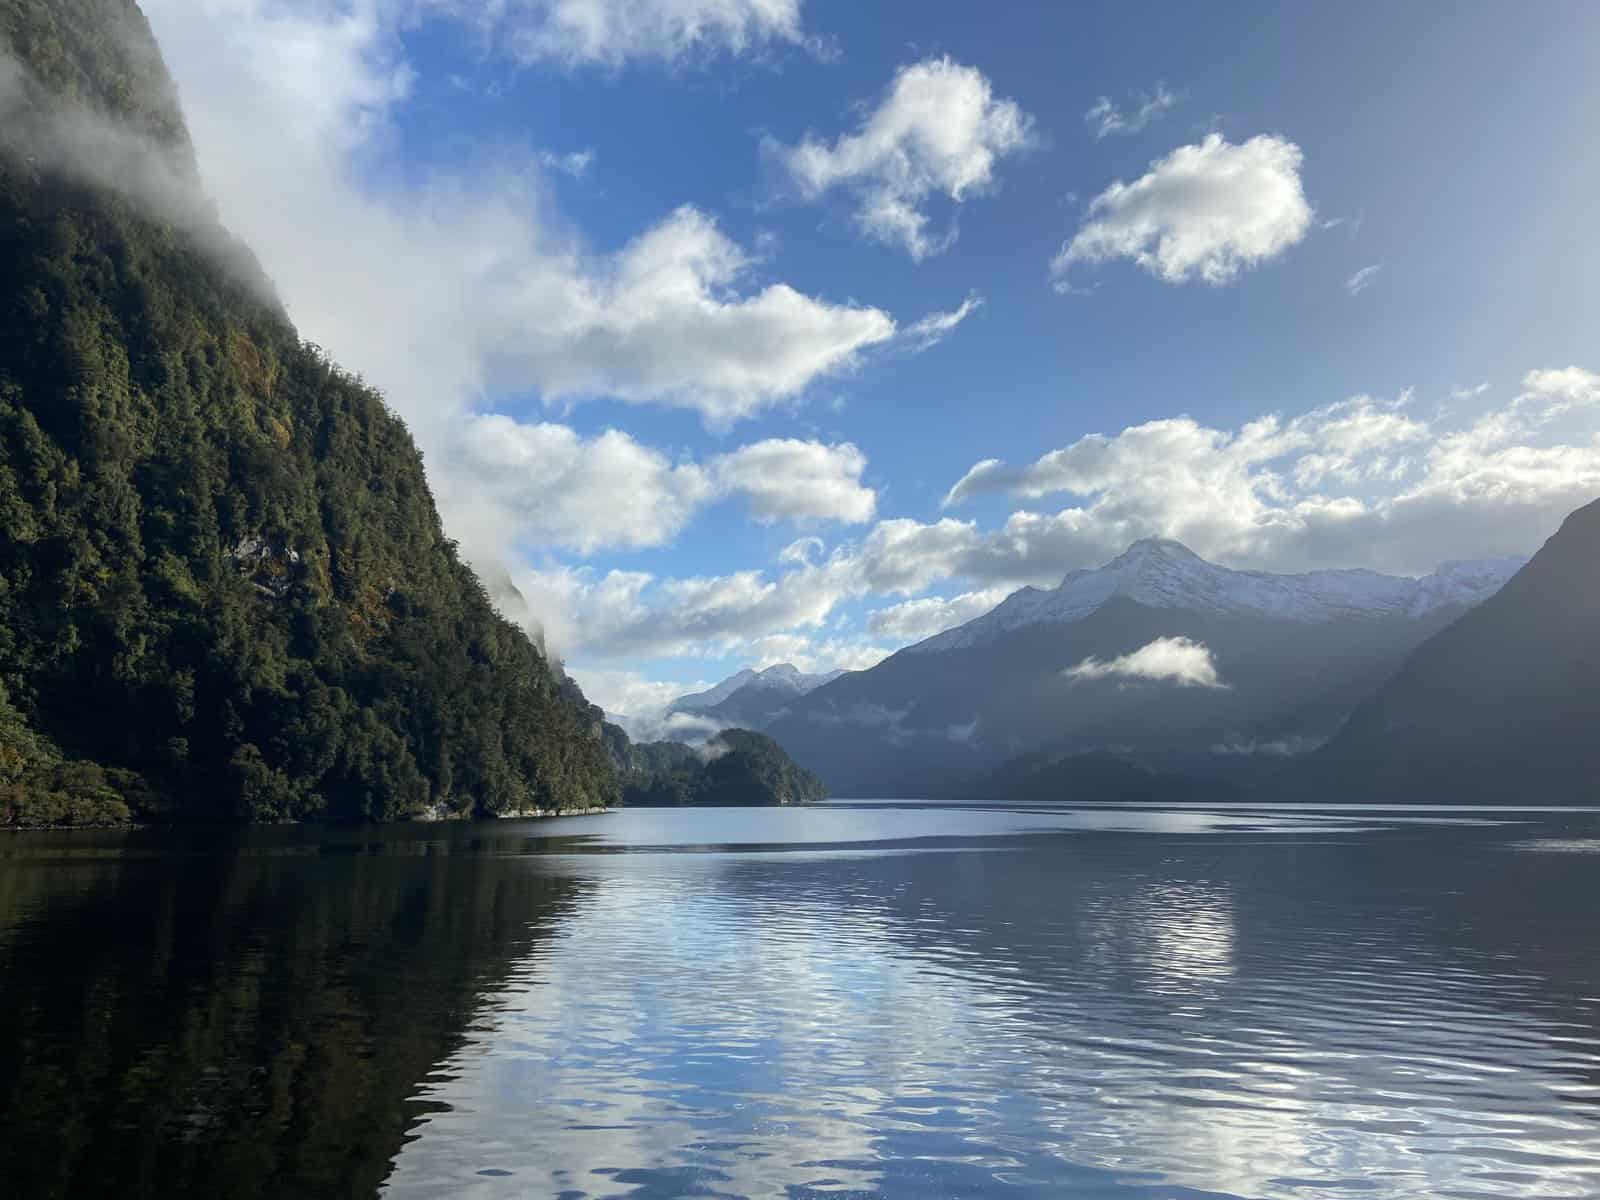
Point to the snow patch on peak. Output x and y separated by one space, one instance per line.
785 677
1161 573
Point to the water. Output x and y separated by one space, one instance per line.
856 1000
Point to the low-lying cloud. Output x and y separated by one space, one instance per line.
1177 660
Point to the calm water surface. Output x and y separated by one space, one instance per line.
855 1000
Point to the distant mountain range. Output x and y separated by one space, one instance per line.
1177 664
752 699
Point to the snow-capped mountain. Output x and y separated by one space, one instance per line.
1158 657
1160 573
752 698
713 696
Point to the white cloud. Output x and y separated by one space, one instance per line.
914 620
631 614
1362 482
1166 660
1359 483
469 283
575 163
938 131
1362 279
624 693
935 327
1105 117
1552 392
661 322
1205 211
545 483
786 479
555 487
610 33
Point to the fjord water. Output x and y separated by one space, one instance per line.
857 999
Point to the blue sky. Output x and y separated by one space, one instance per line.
648 282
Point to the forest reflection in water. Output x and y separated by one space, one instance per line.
858 1000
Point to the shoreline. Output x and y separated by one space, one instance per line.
530 814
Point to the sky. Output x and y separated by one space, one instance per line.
749 331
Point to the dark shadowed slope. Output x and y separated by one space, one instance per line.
1503 707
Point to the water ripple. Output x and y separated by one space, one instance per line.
1133 1005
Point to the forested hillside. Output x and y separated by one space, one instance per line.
736 768
224 588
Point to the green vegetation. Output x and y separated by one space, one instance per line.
737 767
224 588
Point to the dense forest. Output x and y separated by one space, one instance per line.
224 588
737 767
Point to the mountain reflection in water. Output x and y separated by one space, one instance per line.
879 1000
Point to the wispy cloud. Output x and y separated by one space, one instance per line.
576 163
932 329
1362 279
1105 117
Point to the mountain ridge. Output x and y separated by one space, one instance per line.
952 710
1160 572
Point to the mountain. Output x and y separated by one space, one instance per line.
225 592
736 768
1159 656
752 699
1501 707
1164 574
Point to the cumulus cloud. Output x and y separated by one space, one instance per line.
939 130
632 614
1363 482
785 479
1176 660
1360 483
1362 279
914 620
548 483
544 482
610 33
661 322
1105 117
1206 211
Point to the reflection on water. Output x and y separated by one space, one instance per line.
877 1000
